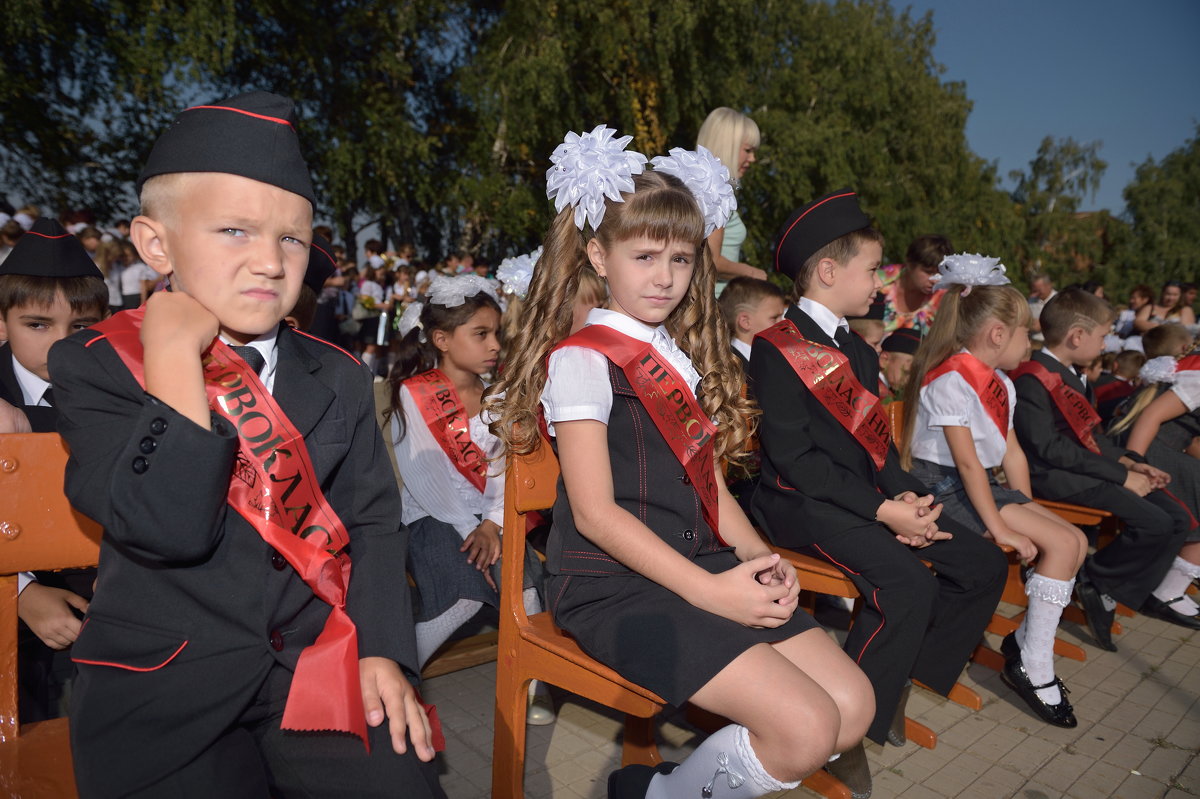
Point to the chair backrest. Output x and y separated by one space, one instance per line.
531 484
39 531
895 412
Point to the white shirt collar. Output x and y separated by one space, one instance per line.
742 347
1070 368
625 324
826 319
32 387
267 345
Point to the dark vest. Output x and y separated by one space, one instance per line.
648 481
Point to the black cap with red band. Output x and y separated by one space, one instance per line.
903 339
813 226
48 250
321 265
252 135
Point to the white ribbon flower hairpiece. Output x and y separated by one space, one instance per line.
589 167
453 291
411 318
515 273
1159 370
706 178
964 269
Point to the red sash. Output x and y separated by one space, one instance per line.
1188 363
983 381
282 500
827 373
669 400
1114 390
1074 406
446 418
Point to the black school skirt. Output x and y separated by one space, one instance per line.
650 635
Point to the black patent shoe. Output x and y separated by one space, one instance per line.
854 771
1060 715
896 733
1099 619
633 781
1010 649
1156 608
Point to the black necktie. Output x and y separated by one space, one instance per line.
252 357
842 337
48 397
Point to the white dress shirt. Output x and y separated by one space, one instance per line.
826 319
33 388
577 385
743 347
432 484
949 401
266 344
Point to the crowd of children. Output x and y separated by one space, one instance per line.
252 631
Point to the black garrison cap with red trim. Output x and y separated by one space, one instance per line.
903 339
252 135
813 226
321 265
48 250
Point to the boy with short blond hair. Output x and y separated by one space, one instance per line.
251 628
1070 460
832 485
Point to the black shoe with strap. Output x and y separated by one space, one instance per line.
1099 618
1014 676
1156 608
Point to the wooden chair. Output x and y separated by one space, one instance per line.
39 530
533 648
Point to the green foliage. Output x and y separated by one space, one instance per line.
1163 203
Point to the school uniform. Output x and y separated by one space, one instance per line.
186 657
1062 469
819 493
741 350
644 631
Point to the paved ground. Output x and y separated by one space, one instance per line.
1139 733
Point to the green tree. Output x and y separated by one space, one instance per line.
1163 204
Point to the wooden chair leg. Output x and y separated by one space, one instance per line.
919 734
508 741
959 695
639 745
1074 614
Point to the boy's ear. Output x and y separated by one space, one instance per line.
826 271
3 328
149 236
743 322
595 254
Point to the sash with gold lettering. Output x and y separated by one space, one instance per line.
983 381
1080 415
670 402
275 489
827 373
446 417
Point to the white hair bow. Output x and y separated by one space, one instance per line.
453 291
515 273
964 269
410 318
1159 370
706 178
589 167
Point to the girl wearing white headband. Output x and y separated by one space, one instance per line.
654 569
958 429
453 493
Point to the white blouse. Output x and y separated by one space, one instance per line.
577 385
432 486
1187 388
949 401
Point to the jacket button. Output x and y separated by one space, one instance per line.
158 426
147 445
278 561
276 641
140 465
689 534
687 481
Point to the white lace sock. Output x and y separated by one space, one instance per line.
1047 598
433 633
723 766
1175 585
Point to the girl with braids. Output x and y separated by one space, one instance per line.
453 487
654 569
960 428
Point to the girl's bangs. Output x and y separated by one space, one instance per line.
668 214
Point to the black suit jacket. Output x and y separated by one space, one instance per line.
41 420
1059 465
817 480
193 609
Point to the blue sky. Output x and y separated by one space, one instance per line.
1126 73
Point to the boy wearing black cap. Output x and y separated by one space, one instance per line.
895 362
251 622
49 289
832 484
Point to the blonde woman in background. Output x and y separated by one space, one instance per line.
732 137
